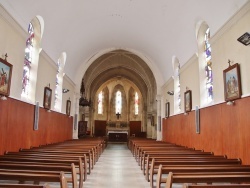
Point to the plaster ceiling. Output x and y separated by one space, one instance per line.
156 29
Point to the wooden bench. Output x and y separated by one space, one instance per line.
203 177
142 150
90 156
201 169
53 155
36 177
147 161
45 164
156 163
217 186
11 185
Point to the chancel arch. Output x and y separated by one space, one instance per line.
129 71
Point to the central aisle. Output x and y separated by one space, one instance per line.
116 168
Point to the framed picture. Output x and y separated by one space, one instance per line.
68 107
188 101
232 82
167 107
47 98
5 77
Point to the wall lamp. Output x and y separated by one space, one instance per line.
230 103
65 90
170 92
244 39
2 97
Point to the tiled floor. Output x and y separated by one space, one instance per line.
116 168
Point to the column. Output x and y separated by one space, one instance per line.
159 126
76 114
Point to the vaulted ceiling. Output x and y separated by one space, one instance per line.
155 30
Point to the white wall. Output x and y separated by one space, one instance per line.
224 46
12 41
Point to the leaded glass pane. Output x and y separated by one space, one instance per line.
208 67
28 60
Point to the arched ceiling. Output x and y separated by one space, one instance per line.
157 29
117 64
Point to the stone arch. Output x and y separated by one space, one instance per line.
121 64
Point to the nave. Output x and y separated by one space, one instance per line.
116 168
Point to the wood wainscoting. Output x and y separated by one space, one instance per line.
224 130
16 126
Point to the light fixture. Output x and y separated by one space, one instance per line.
244 39
65 90
3 97
170 92
230 103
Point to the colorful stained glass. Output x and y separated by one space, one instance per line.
56 106
28 61
136 103
208 67
118 105
100 103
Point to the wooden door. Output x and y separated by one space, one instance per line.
135 128
100 128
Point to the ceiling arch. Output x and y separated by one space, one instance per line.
117 64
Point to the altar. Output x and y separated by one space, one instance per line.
117 131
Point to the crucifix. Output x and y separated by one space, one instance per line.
229 63
118 115
6 56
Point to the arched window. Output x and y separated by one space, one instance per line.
27 61
59 82
136 103
205 63
177 86
118 102
32 50
100 103
208 66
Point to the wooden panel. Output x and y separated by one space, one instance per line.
135 128
82 128
224 129
16 130
100 128
117 137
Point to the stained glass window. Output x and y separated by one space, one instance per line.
27 61
136 103
118 105
208 68
100 103
57 86
59 82
178 87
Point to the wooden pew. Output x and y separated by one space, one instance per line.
146 162
46 173
201 169
156 163
52 155
205 177
142 150
32 176
44 164
217 186
89 154
11 185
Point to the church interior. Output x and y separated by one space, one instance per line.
109 80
